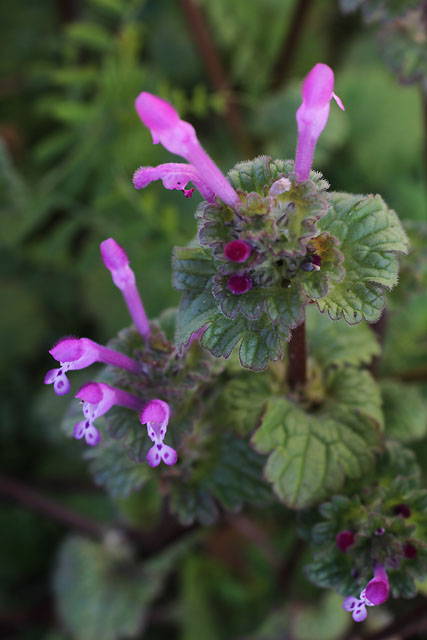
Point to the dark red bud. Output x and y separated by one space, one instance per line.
237 251
239 284
409 550
402 510
345 539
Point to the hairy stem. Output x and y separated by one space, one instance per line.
212 61
289 48
297 357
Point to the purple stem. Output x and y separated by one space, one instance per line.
117 359
125 399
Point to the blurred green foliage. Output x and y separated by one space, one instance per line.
70 71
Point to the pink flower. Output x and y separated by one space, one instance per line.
156 416
376 592
179 137
98 398
116 261
312 115
79 353
174 175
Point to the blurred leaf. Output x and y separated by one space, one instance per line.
405 411
326 621
404 45
339 343
103 592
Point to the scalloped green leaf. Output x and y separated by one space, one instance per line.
405 411
339 343
311 454
370 235
197 308
192 268
258 345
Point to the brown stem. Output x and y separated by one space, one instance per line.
10 488
148 543
413 375
297 357
290 45
209 54
379 328
287 571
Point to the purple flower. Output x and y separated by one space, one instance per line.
116 261
156 416
174 176
98 398
312 115
237 251
376 592
79 353
239 284
179 137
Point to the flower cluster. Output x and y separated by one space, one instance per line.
98 397
259 223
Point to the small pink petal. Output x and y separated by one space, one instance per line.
377 591
350 603
168 454
50 376
79 430
338 101
155 411
67 350
61 385
153 457
360 613
91 392
92 435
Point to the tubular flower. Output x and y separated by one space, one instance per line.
376 592
79 353
116 261
174 175
156 416
312 115
179 137
98 398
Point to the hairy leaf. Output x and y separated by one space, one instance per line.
311 454
370 235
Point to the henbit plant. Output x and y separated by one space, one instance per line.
273 244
